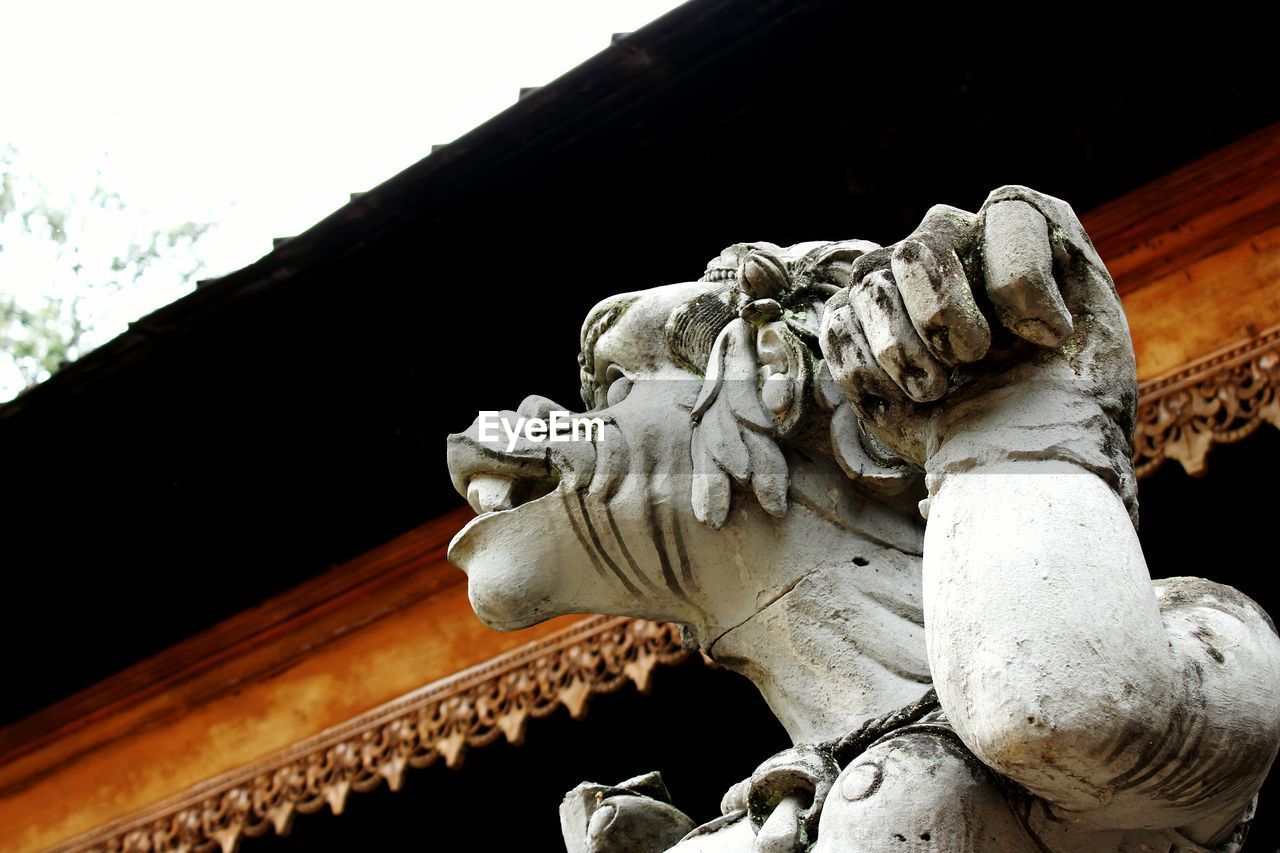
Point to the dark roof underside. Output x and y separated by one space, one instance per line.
292 414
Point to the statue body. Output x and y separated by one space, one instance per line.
892 487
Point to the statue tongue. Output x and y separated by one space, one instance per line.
489 492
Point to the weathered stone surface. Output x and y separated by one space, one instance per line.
635 815
772 439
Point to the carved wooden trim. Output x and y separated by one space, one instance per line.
470 709
1219 399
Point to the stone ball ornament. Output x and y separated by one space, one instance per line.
892 486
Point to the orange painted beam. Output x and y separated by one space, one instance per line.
362 634
1196 254
1228 297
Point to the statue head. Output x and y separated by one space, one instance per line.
714 463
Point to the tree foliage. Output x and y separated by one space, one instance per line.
76 266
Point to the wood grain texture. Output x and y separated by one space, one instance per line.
1190 214
1196 254
1226 298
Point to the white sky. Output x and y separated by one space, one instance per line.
264 116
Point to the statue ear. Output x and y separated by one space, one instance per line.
784 368
754 394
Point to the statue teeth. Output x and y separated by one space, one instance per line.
489 493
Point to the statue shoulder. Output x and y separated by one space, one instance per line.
1231 656
1191 595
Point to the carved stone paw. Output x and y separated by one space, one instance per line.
966 295
635 816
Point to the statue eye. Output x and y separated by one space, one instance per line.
617 385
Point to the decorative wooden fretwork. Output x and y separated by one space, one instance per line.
1218 399
441 720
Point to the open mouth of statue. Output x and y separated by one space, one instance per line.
494 492
493 481
497 485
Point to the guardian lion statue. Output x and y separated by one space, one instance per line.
892 487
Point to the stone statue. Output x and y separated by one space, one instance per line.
892 487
